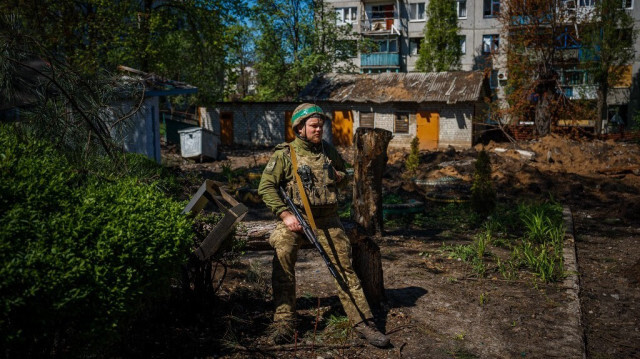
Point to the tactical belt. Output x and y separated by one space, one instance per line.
303 194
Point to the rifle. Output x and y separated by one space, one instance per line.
308 232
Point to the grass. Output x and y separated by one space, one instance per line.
533 232
338 329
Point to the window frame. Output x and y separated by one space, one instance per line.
373 119
395 122
352 12
418 42
493 8
583 4
465 8
387 45
413 12
624 4
494 43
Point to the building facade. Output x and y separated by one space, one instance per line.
396 28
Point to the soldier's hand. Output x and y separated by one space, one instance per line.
291 221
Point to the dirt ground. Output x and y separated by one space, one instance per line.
436 308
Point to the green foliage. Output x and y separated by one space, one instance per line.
181 40
338 328
79 256
483 196
298 40
440 49
538 246
608 37
392 198
413 161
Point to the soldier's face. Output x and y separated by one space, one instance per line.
312 130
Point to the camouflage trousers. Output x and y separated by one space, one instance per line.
334 241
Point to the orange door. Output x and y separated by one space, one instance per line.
226 128
428 128
289 135
342 128
388 14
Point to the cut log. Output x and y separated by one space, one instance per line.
370 162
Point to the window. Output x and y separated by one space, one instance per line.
386 45
587 3
416 12
490 43
414 45
462 9
492 7
463 44
401 124
493 79
366 119
346 15
382 11
393 45
627 4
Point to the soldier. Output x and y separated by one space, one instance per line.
321 168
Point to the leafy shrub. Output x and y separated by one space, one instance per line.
78 258
483 196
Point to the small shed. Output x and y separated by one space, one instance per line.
438 108
141 133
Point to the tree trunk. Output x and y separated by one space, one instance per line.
370 162
601 108
366 211
543 114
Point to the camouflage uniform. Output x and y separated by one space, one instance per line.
323 199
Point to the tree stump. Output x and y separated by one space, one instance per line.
370 160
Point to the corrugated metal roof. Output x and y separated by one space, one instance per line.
449 87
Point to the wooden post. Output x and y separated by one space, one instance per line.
370 162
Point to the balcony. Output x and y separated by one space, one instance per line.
388 59
387 25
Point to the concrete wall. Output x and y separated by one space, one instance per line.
263 124
141 132
456 128
255 123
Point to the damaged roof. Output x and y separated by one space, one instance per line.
449 87
159 86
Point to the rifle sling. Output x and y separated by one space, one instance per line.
303 194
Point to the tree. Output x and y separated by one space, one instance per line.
608 39
534 51
440 50
240 49
182 40
298 40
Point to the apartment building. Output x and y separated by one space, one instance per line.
397 28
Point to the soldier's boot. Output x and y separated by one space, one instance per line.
282 332
372 335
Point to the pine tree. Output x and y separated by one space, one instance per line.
413 161
440 49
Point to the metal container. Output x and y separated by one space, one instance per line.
198 143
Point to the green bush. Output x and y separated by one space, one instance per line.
413 161
78 258
483 195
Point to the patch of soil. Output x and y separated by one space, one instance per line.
436 307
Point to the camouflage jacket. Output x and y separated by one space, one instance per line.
279 172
